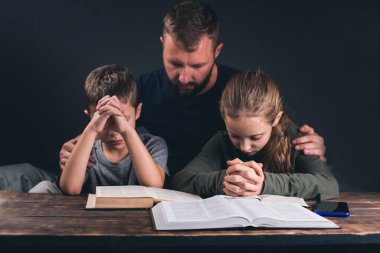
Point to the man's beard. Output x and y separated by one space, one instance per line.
197 88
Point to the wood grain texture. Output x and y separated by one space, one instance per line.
26 219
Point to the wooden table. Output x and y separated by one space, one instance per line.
57 223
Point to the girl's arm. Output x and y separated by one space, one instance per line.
73 175
312 179
204 175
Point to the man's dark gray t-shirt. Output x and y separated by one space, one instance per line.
186 123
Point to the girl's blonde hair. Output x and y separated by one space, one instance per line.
255 94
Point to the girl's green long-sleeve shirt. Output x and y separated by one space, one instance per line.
311 178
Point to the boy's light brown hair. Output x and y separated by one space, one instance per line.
110 80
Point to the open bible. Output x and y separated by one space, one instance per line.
228 212
133 196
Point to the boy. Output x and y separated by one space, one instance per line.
121 155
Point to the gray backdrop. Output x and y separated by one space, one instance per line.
323 54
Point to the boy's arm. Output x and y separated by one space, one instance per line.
147 171
73 175
66 151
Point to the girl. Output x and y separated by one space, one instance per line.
254 155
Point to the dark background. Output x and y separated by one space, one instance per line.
323 54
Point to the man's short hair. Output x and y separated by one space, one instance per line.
188 21
110 80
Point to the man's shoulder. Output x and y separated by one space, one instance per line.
152 85
226 71
152 77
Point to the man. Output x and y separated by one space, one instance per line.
181 100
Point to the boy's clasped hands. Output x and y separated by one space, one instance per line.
243 178
110 111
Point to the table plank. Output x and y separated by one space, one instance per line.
29 218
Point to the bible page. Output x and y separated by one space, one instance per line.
278 198
213 208
160 194
125 191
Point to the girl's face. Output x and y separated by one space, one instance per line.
249 134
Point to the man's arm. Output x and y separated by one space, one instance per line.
311 143
66 151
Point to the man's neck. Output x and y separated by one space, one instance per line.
212 81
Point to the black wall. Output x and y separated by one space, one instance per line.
323 54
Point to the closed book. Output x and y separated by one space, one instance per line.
133 196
